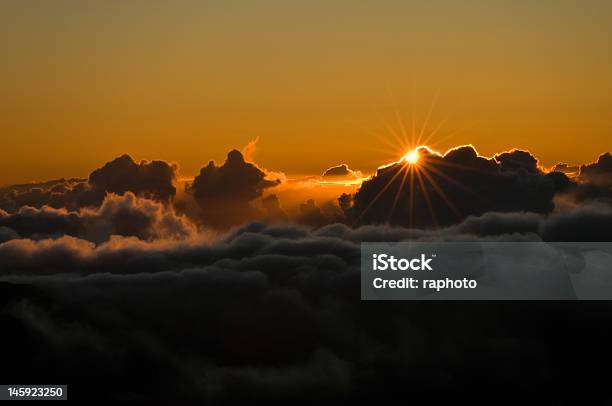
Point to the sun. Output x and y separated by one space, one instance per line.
412 157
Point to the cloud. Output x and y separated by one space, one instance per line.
448 188
225 192
516 159
599 172
150 179
7 234
586 223
159 253
274 212
127 294
315 216
54 193
249 149
272 313
340 172
125 215
570 171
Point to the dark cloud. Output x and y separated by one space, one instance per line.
315 216
129 255
225 192
7 234
274 212
514 160
54 193
586 223
153 180
446 189
273 313
125 215
599 173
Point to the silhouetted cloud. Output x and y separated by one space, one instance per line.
599 173
150 179
340 172
225 192
516 159
444 189
274 212
54 193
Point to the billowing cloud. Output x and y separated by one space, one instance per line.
225 192
54 193
599 173
129 295
445 189
125 215
128 255
272 313
150 179
516 159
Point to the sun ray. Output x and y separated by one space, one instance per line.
392 131
385 139
405 169
440 173
441 193
427 118
427 198
434 132
402 128
376 197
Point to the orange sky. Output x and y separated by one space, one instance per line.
185 81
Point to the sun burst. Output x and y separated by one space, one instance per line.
412 157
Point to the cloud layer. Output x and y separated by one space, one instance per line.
270 313
123 292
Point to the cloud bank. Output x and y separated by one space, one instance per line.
123 292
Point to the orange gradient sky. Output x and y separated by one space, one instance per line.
185 81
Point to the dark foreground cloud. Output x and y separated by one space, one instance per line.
445 189
225 192
273 313
124 215
132 255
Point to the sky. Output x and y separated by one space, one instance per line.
319 82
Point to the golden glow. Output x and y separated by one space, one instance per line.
412 157
211 76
